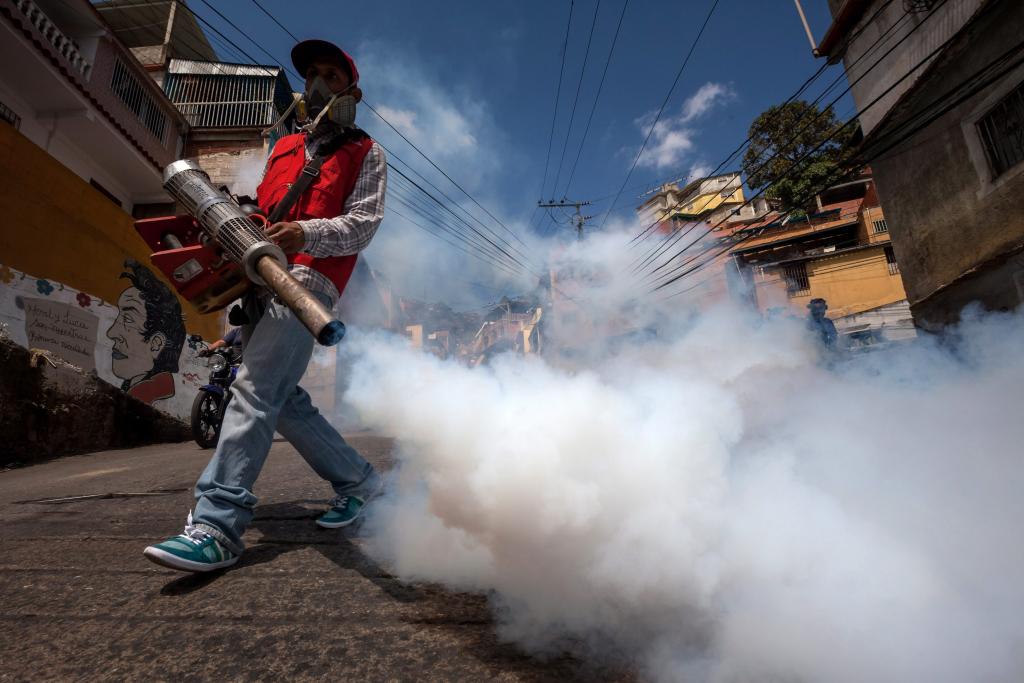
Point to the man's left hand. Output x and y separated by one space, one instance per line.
288 236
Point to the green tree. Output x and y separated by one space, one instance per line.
780 137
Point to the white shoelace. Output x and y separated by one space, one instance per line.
192 532
337 502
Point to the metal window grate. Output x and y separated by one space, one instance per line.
880 226
223 100
1002 132
7 114
890 261
129 90
797 283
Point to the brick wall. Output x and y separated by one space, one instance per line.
235 161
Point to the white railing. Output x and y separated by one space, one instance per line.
129 89
60 42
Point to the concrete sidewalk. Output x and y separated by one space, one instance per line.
79 602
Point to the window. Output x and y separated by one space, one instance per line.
890 261
7 114
129 90
1002 132
880 226
797 283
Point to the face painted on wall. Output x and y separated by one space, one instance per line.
132 355
147 334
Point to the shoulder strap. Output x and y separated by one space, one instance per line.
310 172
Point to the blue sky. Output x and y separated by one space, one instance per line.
473 84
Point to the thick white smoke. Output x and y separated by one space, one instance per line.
718 504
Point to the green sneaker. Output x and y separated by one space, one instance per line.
344 511
192 551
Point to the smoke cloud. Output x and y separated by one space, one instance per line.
717 502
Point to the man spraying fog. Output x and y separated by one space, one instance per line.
325 225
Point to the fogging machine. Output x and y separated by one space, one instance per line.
218 251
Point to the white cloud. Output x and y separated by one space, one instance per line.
402 119
447 123
706 97
673 136
451 123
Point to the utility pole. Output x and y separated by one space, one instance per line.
807 27
578 220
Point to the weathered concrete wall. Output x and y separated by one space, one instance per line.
954 229
917 43
48 411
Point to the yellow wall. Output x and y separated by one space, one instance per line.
851 283
63 250
57 226
709 202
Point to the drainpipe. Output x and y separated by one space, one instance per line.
807 28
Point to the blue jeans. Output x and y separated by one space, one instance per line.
265 397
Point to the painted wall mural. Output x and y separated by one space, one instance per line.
138 343
148 335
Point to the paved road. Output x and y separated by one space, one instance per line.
79 602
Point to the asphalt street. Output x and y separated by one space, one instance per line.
79 602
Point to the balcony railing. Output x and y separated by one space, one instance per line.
60 42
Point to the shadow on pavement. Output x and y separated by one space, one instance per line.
288 527
190 583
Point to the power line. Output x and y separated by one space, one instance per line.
474 230
597 97
445 174
449 242
817 74
975 83
230 23
558 96
792 167
576 99
431 211
433 198
418 150
274 19
452 201
664 103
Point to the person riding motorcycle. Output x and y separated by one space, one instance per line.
233 339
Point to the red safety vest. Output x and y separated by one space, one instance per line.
324 198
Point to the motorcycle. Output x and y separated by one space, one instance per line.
212 400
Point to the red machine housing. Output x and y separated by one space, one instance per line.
198 268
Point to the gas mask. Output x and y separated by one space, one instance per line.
339 108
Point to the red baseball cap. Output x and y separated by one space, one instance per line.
307 51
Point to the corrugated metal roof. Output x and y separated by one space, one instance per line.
220 95
191 66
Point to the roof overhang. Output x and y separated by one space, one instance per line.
784 240
845 19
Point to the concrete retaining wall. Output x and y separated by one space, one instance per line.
56 409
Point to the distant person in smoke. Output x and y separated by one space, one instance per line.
820 324
322 231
